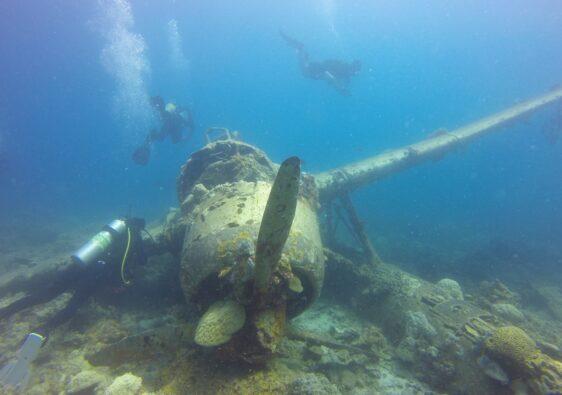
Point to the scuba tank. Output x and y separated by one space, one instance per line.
119 231
106 239
98 245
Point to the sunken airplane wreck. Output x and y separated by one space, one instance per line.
248 229
252 252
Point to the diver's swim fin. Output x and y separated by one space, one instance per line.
293 43
16 374
141 156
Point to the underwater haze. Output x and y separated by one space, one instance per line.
78 81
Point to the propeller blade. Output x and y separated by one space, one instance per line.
276 222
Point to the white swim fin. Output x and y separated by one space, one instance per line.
16 374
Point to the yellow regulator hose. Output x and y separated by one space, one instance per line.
124 261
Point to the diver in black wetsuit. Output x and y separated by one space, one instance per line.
335 72
100 262
174 120
83 279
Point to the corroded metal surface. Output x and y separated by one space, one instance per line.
223 216
276 222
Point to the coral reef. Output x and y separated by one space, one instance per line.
327 357
508 312
450 289
198 375
546 375
417 326
334 350
85 381
374 331
497 292
389 383
127 384
553 299
312 384
518 355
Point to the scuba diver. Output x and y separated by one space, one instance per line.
335 72
101 261
174 119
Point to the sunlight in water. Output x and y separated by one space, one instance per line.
328 9
177 58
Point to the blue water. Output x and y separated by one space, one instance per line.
66 141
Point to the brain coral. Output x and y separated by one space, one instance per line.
219 323
512 347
